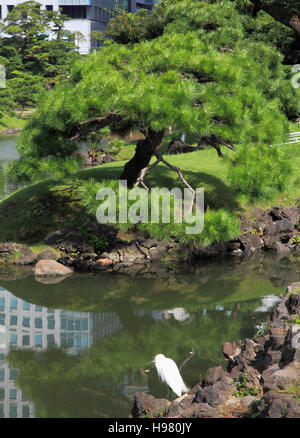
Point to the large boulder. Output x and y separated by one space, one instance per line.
45 268
146 405
25 256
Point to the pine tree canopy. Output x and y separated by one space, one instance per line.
201 76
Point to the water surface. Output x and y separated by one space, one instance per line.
80 347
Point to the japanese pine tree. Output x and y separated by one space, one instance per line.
201 76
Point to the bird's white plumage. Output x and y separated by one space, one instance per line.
169 374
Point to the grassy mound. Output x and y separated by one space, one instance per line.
29 214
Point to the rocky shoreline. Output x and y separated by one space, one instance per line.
10 131
96 247
261 380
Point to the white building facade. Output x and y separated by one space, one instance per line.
85 15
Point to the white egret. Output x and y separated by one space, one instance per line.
169 374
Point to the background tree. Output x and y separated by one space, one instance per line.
261 25
32 58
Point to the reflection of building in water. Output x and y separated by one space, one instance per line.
105 324
26 325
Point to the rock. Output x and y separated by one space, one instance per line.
257 212
51 267
214 374
71 239
252 241
107 158
233 245
290 213
292 287
176 146
293 304
279 247
148 243
8 248
236 252
280 378
48 254
231 350
203 410
26 256
105 262
219 392
245 223
261 223
281 405
282 228
146 405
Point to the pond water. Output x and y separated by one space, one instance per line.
80 347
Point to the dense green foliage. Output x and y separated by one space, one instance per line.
201 76
260 26
31 58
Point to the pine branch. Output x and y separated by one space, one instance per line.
91 125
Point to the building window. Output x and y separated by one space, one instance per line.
74 11
1 411
2 374
13 303
25 411
49 7
25 305
13 338
38 323
2 303
2 318
9 8
38 341
51 322
26 322
13 394
38 308
50 341
26 340
2 394
13 410
84 341
13 374
13 320
84 324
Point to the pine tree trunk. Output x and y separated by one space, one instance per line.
143 153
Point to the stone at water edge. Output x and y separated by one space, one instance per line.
45 268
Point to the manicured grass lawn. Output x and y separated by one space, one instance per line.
11 122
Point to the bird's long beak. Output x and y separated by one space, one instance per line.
151 361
